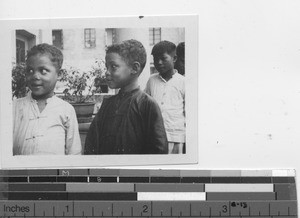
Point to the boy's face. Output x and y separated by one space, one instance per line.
164 63
41 76
119 73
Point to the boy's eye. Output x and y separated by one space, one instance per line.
29 71
44 71
113 67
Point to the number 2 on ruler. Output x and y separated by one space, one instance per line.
145 209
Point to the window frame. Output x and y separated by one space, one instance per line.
61 42
154 35
90 38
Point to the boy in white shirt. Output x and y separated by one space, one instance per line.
43 123
168 89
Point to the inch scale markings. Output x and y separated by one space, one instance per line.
30 209
147 193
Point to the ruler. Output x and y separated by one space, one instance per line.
147 193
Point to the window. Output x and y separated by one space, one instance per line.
90 38
20 51
57 38
154 35
24 41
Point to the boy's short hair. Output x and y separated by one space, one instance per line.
54 53
180 49
163 47
131 51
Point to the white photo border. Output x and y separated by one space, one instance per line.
189 22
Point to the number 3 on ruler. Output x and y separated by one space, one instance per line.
224 210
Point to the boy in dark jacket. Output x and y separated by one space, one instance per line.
131 121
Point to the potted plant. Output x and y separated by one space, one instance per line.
81 87
19 86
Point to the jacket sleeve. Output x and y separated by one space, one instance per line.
91 140
156 137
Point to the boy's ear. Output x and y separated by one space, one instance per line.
136 66
175 58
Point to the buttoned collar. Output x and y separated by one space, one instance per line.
31 99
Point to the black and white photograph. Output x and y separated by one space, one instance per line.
101 91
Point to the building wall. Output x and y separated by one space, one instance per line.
174 35
77 56
75 53
45 36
